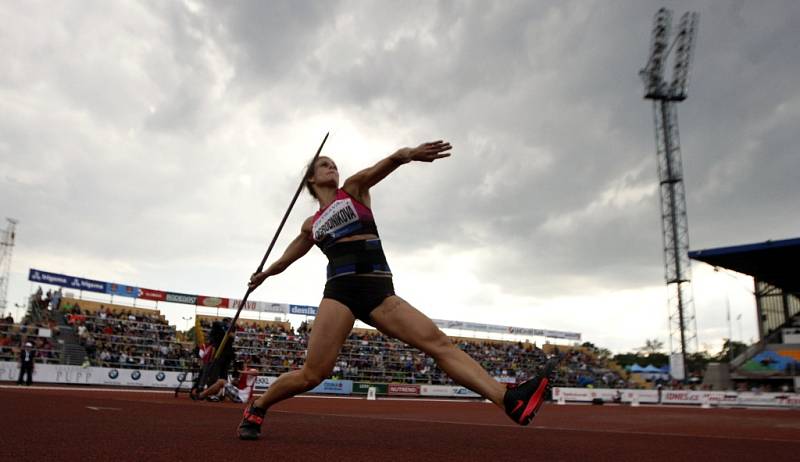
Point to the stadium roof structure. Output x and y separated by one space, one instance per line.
774 262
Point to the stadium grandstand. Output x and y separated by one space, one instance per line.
78 331
773 361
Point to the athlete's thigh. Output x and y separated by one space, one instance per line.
397 318
333 323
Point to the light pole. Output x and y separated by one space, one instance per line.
728 318
730 328
720 270
739 319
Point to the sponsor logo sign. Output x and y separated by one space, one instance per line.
303 309
66 281
161 376
336 387
523 331
186 299
606 394
263 382
362 388
264 307
48 278
212 302
65 374
402 389
150 294
123 290
464 392
447 391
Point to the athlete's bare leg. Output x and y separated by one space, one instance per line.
212 390
333 323
397 318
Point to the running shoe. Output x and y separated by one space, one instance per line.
250 428
522 402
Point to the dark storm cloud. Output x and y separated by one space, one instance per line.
561 83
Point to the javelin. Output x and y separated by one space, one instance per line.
266 255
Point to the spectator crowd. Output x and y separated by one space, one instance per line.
142 339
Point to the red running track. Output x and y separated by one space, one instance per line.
91 424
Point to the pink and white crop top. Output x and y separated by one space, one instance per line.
345 216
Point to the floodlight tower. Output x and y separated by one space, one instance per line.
6 247
674 224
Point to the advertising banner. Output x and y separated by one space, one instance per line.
685 397
64 280
608 395
447 391
769 399
77 375
263 307
150 294
212 302
435 390
186 299
48 278
266 307
361 388
263 382
303 309
335 387
403 389
121 289
496 329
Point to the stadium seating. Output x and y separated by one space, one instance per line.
134 337
119 336
41 335
368 356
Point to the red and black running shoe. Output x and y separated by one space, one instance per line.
250 428
522 402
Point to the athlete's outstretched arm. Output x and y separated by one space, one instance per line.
426 152
296 249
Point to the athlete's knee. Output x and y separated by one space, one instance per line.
438 343
313 377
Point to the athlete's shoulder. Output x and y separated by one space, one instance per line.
361 196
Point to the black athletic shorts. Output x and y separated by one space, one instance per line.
361 294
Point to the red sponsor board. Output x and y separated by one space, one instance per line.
150 294
212 302
402 389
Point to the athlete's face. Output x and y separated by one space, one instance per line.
326 171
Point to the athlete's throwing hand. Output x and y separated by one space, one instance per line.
256 279
428 152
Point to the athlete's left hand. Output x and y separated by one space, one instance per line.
428 152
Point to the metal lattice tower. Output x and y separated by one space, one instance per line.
674 224
6 248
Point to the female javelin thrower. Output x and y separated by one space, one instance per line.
359 286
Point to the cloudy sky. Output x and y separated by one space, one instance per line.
159 143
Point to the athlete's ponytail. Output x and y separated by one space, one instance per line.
311 169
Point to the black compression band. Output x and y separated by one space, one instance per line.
356 257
